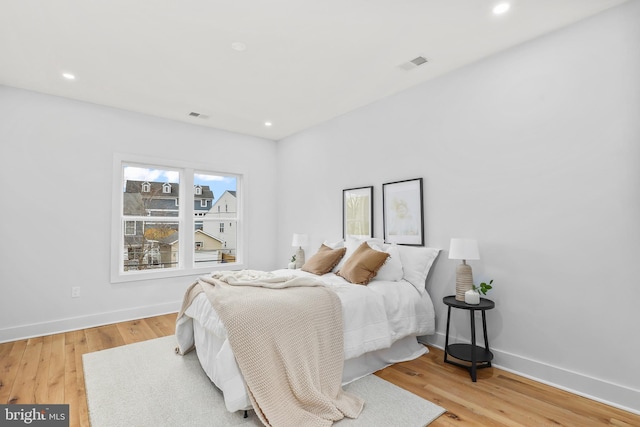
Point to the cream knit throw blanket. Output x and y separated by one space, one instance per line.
287 337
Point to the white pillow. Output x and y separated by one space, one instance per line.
352 244
334 245
416 263
391 270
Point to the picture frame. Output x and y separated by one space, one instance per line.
402 212
357 212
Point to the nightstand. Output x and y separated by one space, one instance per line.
479 357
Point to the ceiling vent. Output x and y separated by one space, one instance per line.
414 63
198 115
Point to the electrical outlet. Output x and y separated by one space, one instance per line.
75 292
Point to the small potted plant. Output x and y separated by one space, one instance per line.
472 296
292 264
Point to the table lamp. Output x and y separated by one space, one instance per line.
299 240
464 249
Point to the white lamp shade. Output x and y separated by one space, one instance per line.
300 240
464 249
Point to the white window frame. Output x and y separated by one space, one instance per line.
186 264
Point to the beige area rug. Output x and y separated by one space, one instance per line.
147 385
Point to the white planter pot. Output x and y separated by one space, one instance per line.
292 265
472 297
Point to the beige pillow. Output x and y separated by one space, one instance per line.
363 265
324 260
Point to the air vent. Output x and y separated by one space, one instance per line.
198 115
414 63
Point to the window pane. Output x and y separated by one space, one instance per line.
216 221
213 246
153 245
150 192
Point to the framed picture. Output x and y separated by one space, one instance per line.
402 211
357 212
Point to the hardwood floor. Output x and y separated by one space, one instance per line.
49 370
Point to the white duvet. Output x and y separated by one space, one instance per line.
374 317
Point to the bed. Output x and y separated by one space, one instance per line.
380 320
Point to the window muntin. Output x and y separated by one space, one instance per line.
161 237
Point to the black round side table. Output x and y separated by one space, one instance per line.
480 357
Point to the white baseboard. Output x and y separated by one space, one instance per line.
83 322
611 394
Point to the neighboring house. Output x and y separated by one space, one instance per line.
208 248
224 213
154 244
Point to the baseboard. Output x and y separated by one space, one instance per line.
83 322
611 394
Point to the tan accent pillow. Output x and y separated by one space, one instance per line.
324 260
363 265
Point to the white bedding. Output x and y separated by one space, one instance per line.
374 316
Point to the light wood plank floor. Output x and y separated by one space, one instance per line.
49 370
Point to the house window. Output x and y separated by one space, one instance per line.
221 229
198 190
154 235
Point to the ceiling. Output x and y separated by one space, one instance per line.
304 62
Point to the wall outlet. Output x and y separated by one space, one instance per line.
75 292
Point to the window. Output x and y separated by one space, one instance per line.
130 228
160 230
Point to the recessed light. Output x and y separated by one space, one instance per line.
267 124
239 46
68 76
501 8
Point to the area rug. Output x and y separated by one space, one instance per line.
147 385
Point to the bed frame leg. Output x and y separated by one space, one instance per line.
246 414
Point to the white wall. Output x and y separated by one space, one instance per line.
55 212
534 152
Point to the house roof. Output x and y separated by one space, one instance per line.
209 235
157 187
